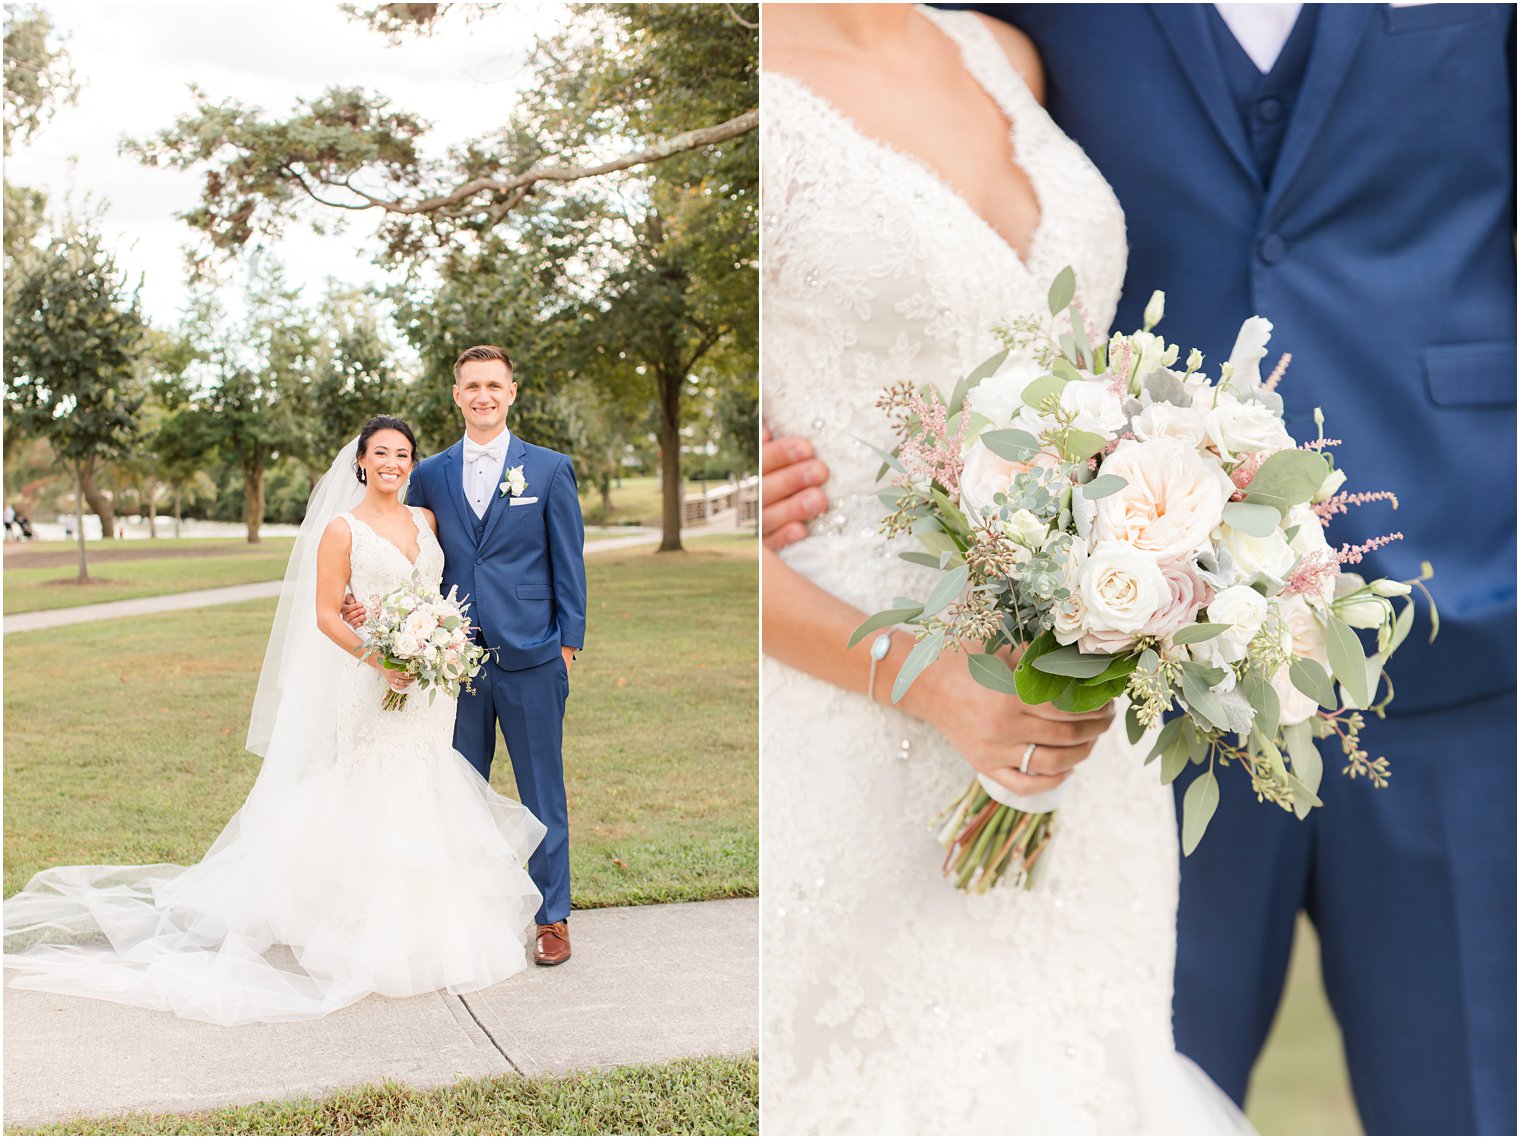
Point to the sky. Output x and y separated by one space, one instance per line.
137 60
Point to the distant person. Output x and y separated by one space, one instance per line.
10 521
68 528
25 525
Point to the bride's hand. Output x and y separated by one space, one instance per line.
399 679
993 731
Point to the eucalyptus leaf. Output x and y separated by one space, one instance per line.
1402 624
1064 369
1083 343
1198 806
1174 759
1071 661
992 672
1304 799
1036 687
919 558
1287 479
887 457
1263 697
1347 660
1041 388
936 541
1201 699
1011 445
1170 731
1254 518
1308 764
947 590
925 653
986 368
1088 696
1103 486
1192 634
1062 290
882 620
1082 445
1133 729
1310 678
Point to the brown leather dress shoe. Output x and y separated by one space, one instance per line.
553 944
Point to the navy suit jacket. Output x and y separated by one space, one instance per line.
522 567
1382 250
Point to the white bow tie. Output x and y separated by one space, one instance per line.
474 452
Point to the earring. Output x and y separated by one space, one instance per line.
360 475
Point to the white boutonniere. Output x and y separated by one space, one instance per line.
514 484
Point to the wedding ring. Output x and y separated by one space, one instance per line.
1028 755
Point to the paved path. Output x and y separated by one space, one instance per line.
646 984
226 595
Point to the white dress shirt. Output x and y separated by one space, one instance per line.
482 472
1261 29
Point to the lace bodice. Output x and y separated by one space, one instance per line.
894 1004
376 565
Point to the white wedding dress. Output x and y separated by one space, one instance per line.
892 1003
369 858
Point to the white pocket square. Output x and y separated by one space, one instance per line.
522 501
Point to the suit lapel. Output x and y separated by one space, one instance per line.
453 475
1186 30
1340 31
517 451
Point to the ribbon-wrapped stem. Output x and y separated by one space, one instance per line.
988 842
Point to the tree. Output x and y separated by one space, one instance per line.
355 375
38 80
73 332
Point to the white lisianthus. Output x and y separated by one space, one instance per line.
999 397
1387 587
515 482
1241 608
1168 421
1270 557
1095 407
1155 309
1170 503
1069 617
1249 351
1194 360
1122 588
1238 428
1152 351
1306 638
1364 612
1333 482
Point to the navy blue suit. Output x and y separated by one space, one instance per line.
523 571
1361 197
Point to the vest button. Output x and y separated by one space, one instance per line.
1269 110
1272 249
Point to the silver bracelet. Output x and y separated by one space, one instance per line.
879 649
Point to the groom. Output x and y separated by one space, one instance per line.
1348 171
509 521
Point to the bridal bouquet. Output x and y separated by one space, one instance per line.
1145 531
425 634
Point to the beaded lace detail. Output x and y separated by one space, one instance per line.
892 1003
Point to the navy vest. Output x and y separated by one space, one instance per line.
1265 102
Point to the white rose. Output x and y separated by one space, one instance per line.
406 646
1095 408
1243 610
999 397
1069 617
1168 421
1171 501
418 625
1122 588
1237 428
1307 637
1270 557
1026 529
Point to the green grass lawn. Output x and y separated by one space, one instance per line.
138 569
1300 1086
716 1096
634 500
124 739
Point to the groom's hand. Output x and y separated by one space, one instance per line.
569 654
790 488
352 612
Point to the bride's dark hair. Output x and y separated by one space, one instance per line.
382 423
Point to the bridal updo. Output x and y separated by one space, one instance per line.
382 423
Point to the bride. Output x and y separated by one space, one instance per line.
370 857
915 195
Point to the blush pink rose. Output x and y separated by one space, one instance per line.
1189 594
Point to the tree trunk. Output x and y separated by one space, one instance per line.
178 498
79 481
152 508
100 505
670 460
253 497
606 481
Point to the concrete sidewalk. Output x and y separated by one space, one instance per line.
227 595
646 984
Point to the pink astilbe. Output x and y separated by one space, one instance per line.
1312 572
1341 503
1242 475
1271 382
1119 384
1319 444
932 454
1349 555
